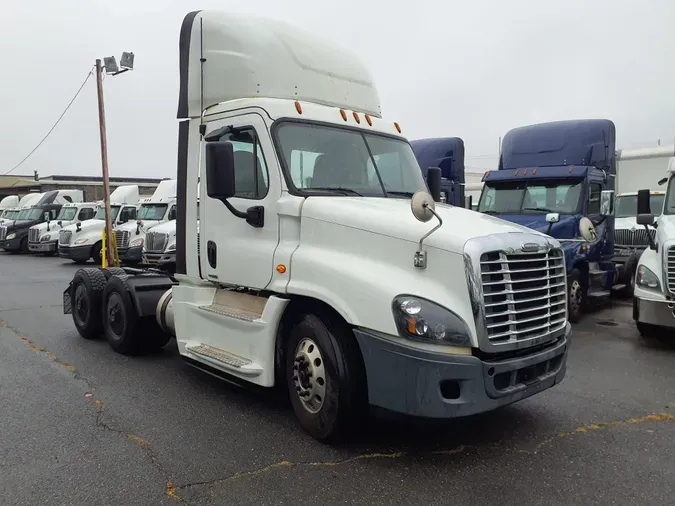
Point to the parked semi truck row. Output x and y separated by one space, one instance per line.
14 236
319 261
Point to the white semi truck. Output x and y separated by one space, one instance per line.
321 262
654 296
82 240
7 204
153 211
635 169
44 237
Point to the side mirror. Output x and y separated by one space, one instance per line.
663 181
468 202
220 170
645 219
553 217
643 204
59 223
46 217
434 183
77 226
607 203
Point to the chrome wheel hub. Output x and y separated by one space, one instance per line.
309 376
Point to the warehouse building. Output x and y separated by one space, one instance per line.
91 186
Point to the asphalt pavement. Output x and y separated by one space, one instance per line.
84 425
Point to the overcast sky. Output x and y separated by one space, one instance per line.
472 69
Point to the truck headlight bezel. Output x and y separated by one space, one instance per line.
139 241
11 236
81 240
645 278
422 320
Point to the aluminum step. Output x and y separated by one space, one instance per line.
232 312
599 293
223 356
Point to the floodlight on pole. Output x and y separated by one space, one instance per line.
110 65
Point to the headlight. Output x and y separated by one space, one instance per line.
647 279
172 247
137 242
45 238
11 236
82 240
423 320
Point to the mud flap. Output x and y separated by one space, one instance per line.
67 300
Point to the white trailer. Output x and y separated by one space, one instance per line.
348 285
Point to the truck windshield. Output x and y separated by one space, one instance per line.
349 162
67 213
530 197
100 213
626 205
33 213
152 211
669 207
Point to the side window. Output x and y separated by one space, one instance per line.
594 191
86 213
172 213
250 170
127 213
52 214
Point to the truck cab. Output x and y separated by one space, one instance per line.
7 204
44 237
447 153
319 261
654 294
14 237
82 240
153 211
557 178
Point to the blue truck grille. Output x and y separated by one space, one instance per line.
3 233
525 294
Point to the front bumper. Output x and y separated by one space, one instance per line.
11 244
77 253
437 385
159 258
133 255
654 312
43 247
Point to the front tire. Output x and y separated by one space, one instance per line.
325 377
87 296
576 296
97 254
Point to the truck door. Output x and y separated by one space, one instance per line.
232 251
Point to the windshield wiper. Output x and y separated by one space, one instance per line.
345 191
537 209
489 211
403 194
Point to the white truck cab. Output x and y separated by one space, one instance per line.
654 295
7 205
44 237
81 240
319 260
153 211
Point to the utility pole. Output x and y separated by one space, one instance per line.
110 250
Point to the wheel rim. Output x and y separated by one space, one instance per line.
309 375
81 312
115 310
575 296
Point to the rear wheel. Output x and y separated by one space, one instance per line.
325 377
576 296
86 298
24 245
629 290
657 332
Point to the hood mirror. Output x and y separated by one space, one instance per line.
587 230
423 209
553 217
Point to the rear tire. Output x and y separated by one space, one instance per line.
656 332
576 296
86 298
325 377
120 321
24 245
629 290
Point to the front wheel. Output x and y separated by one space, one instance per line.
97 254
325 377
576 296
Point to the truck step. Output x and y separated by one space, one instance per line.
219 355
617 288
598 294
232 312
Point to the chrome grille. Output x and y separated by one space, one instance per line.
637 237
3 233
33 235
156 242
670 268
65 236
525 294
122 238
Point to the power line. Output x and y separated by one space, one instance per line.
89 74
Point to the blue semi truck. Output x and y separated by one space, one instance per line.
558 178
447 153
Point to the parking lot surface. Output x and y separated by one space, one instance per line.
84 425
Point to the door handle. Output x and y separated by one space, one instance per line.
212 253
